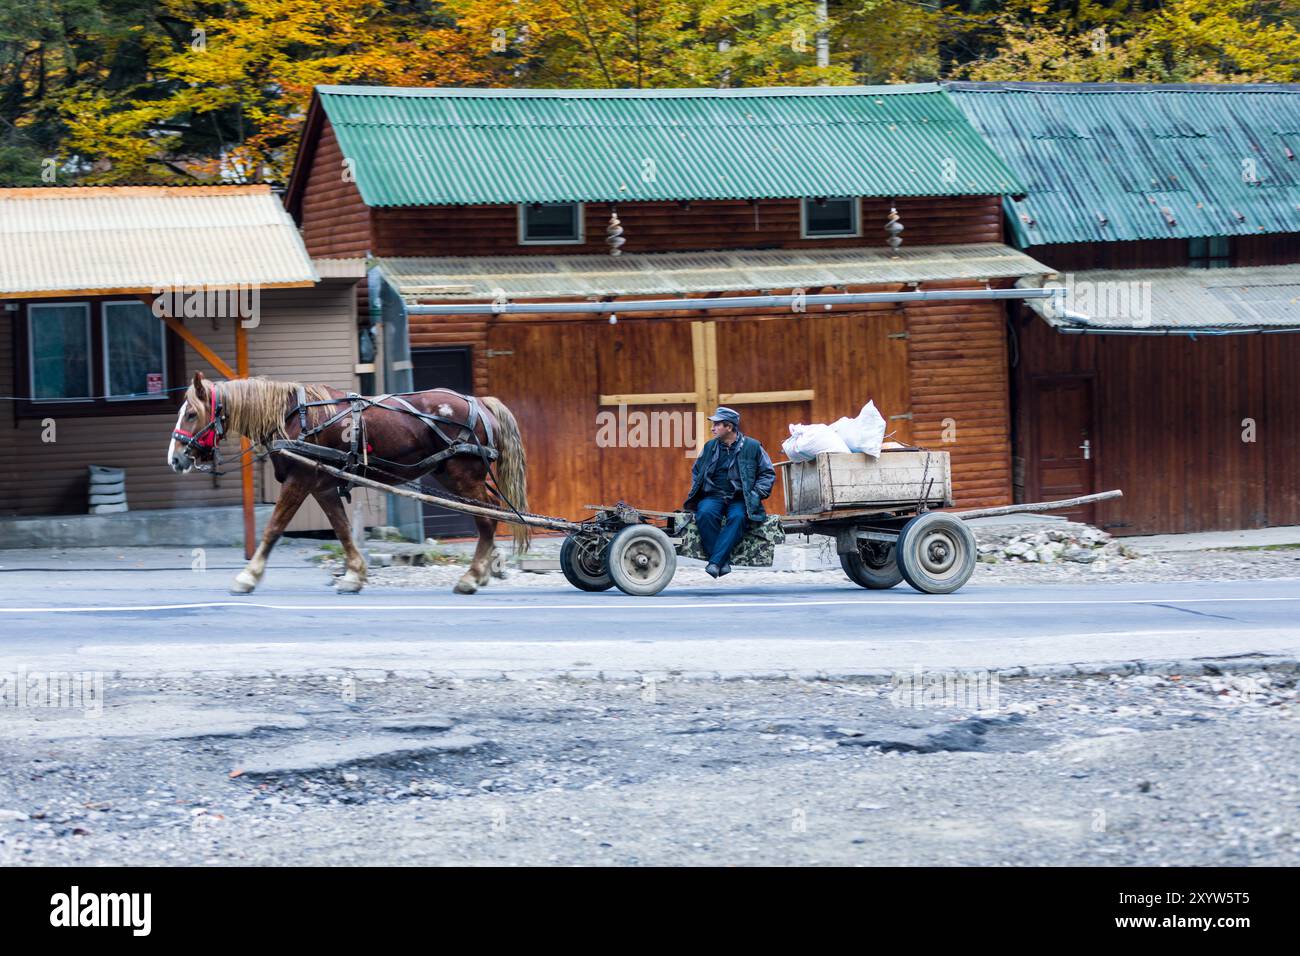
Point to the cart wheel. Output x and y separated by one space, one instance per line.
583 564
873 565
936 553
642 560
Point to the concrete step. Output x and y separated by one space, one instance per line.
186 527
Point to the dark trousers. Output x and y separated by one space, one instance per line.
718 539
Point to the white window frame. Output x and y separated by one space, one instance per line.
162 343
857 218
31 353
580 215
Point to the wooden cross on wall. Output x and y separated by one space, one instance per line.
706 396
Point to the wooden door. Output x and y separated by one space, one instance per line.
756 356
648 463
545 374
443 368
856 357
1065 444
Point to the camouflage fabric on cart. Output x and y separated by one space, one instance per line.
757 549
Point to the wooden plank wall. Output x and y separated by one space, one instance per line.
1169 428
668 227
559 366
960 394
307 334
39 478
335 222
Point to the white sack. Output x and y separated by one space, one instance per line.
806 442
864 433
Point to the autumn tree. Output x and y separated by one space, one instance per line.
228 83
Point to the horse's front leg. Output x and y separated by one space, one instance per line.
292 494
354 579
480 569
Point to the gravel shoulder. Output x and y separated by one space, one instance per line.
1135 770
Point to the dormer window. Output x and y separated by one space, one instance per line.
546 223
830 217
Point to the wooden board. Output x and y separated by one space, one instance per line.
837 481
1170 419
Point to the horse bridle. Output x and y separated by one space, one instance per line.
207 437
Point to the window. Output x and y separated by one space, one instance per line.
94 357
59 352
135 351
1212 252
547 223
828 218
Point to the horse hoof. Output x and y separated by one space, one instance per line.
465 587
243 583
346 585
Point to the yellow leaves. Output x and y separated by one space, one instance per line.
1182 41
240 85
97 129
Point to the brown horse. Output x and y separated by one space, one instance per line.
392 445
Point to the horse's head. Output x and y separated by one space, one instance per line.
200 425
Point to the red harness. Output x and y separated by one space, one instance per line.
207 437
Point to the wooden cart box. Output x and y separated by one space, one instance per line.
898 478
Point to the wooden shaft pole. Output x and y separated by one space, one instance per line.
1036 506
201 347
501 514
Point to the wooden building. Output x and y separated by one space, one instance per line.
491 216
91 374
1168 366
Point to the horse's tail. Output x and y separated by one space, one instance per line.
511 467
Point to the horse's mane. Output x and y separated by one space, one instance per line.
256 407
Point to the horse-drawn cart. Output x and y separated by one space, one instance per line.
880 512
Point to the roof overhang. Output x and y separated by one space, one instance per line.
592 277
57 242
1172 301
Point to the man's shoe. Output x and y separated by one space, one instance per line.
712 570
725 569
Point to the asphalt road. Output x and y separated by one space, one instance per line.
170 620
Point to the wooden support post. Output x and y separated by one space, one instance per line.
246 470
201 347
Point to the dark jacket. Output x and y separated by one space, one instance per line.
756 475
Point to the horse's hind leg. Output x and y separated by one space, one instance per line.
292 494
480 569
354 579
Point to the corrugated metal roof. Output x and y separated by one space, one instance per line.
535 277
1177 300
135 238
1105 162
413 147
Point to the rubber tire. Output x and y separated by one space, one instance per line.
650 542
863 574
929 531
577 575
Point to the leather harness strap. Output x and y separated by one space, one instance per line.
464 443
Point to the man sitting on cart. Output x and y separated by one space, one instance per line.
730 479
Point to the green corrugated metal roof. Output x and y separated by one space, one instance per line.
1105 162
449 147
